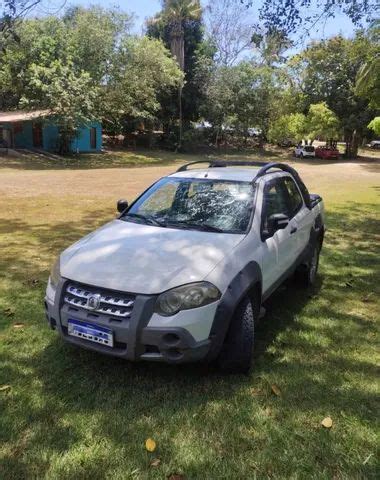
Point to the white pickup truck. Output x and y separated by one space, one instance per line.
182 273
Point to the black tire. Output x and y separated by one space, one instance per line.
236 354
307 273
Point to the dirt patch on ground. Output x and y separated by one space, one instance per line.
129 182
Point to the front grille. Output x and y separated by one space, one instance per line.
111 303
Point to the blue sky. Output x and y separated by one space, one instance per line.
147 8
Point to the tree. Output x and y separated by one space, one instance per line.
142 69
239 97
321 122
230 30
368 76
68 94
13 11
179 26
290 16
94 34
291 127
86 65
368 82
375 125
270 47
326 72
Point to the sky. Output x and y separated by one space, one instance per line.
147 8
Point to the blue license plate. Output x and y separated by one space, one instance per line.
90 332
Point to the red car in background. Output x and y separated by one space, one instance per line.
327 152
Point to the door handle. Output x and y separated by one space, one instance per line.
293 230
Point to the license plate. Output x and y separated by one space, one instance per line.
90 332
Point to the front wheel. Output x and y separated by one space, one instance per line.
236 354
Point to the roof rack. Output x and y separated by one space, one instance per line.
264 169
222 163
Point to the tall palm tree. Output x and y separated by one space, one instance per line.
175 13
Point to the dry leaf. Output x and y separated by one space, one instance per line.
5 388
327 422
18 325
176 476
150 445
276 390
156 462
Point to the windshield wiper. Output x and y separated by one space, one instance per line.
198 226
147 219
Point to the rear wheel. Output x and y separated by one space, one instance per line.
237 351
307 274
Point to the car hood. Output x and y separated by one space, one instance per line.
141 258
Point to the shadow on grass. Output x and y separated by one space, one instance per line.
306 342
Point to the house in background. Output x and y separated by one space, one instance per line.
33 130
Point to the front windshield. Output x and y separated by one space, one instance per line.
199 204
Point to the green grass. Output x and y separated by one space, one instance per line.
73 414
125 158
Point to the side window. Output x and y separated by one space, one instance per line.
294 197
275 201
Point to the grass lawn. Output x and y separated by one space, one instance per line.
66 413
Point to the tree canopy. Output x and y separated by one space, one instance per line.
191 65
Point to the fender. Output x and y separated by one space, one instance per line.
240 285
317 233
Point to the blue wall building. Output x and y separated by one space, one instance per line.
33 130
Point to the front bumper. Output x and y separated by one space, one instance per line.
134 339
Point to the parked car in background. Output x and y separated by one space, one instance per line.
374 144
327 152
304 151
254 132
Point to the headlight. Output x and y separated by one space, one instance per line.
55 274
188 296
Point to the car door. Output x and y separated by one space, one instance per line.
299 216
279 249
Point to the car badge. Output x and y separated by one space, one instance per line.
93 302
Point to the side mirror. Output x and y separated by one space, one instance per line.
122 205
277 221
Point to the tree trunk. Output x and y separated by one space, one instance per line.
177 48
352 144
180 119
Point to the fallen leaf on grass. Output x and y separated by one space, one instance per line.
255 392
18 325
5 388
276 390
150 445
9 312
327 422
156 462
176 476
